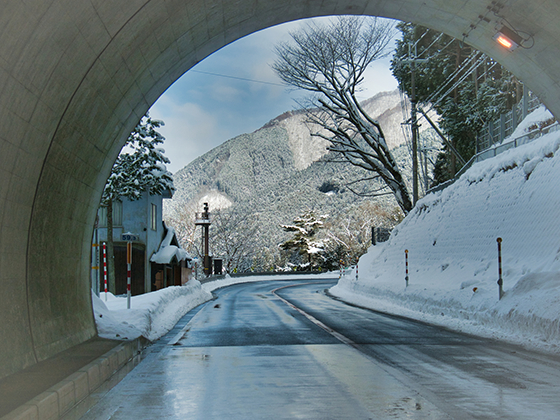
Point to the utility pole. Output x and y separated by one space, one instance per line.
414 127
413 59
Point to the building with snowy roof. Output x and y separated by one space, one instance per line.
157 259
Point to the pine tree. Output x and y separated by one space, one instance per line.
139 168
304 241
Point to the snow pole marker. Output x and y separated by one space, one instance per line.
406 265
340 276
500 279
357 261
105 268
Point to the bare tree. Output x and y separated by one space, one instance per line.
234 233
181 216
330 61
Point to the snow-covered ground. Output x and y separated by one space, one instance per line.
451 236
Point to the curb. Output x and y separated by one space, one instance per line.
62 397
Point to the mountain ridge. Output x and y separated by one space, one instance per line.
280 171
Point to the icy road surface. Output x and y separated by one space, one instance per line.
249 355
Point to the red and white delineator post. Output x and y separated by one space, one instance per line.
105 268
128 272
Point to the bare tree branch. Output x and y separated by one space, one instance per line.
330 61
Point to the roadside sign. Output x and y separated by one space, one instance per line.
128 237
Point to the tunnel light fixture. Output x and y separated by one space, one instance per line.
508 38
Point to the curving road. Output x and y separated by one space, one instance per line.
286 350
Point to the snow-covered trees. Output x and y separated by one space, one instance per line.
234 237
330 61
304 241
464 86
141 165
139 168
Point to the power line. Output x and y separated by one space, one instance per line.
237 78
450 78
431 45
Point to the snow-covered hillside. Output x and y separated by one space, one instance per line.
453 254
280 171
386 107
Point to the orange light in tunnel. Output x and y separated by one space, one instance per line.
504 42
508 38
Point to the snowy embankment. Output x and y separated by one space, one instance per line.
150 315
453 254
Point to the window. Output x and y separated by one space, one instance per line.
153 222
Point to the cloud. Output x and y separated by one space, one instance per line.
377 78
190 131
202 111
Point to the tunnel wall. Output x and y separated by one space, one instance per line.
77 75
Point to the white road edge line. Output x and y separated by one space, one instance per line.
337 335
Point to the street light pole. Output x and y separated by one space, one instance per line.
204 220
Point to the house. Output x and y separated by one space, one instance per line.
171 265
157 259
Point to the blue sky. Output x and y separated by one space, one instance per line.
201 110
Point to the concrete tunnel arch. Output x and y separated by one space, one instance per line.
76 76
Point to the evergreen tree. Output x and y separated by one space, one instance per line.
304 241
139 168
465 87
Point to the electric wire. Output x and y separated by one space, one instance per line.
422 37
440 50
452 76
237 78
460 80
430 46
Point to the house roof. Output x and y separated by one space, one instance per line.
167 252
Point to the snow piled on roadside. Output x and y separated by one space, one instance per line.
451 238
534 118
151 315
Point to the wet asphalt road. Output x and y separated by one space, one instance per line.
248 355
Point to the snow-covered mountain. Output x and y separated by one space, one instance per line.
280 170
247 165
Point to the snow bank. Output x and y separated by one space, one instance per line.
534 118
151 314
451 237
